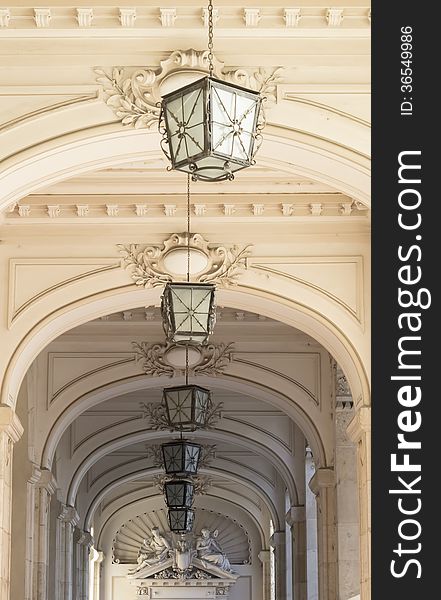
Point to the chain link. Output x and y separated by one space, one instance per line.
188 227
210 38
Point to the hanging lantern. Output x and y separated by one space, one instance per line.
210 128
180 519
187 406
179 493
181 457
188 312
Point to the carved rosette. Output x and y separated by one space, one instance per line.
148 269
134 95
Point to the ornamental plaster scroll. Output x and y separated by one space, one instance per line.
148 268
155 359
135 95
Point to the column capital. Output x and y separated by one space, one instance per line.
10 423
322 478
69 515
47 481
85 539
360 424
277 539
264 556
295 514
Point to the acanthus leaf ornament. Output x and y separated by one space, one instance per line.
135 95
147 264
213 359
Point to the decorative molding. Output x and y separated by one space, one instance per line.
127 17
200 209
170 210
346 208
316 208
146 263
141 210
292 16
251 16
82 210
24 210
167 16
343 388
5 17
229 210
334 17
213 359
258 209
112 210
42 17
44 271
287 209
85 17
53 210
135 95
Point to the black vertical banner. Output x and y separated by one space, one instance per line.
406 395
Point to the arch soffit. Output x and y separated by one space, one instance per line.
81 152
142 436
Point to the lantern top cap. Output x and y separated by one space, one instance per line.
208 80
191 284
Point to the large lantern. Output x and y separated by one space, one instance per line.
187 406
179 493
181 458
188 312
210 128
180 519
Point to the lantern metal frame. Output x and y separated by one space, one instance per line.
194 394
181 520
181 457
179 493
171 315
225 164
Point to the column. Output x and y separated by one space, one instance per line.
83 546
264 557
96 560
296 519
347 503
278 541
11 431
323 486
40 488
311 531
67 521
359 430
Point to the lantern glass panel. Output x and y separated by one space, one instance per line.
188 312
179 493
187 406
181 519
181 457
211 144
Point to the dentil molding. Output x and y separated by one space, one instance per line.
135 95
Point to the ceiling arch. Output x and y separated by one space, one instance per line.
293 152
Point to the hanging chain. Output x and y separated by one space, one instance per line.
188 227
186 364
210 38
